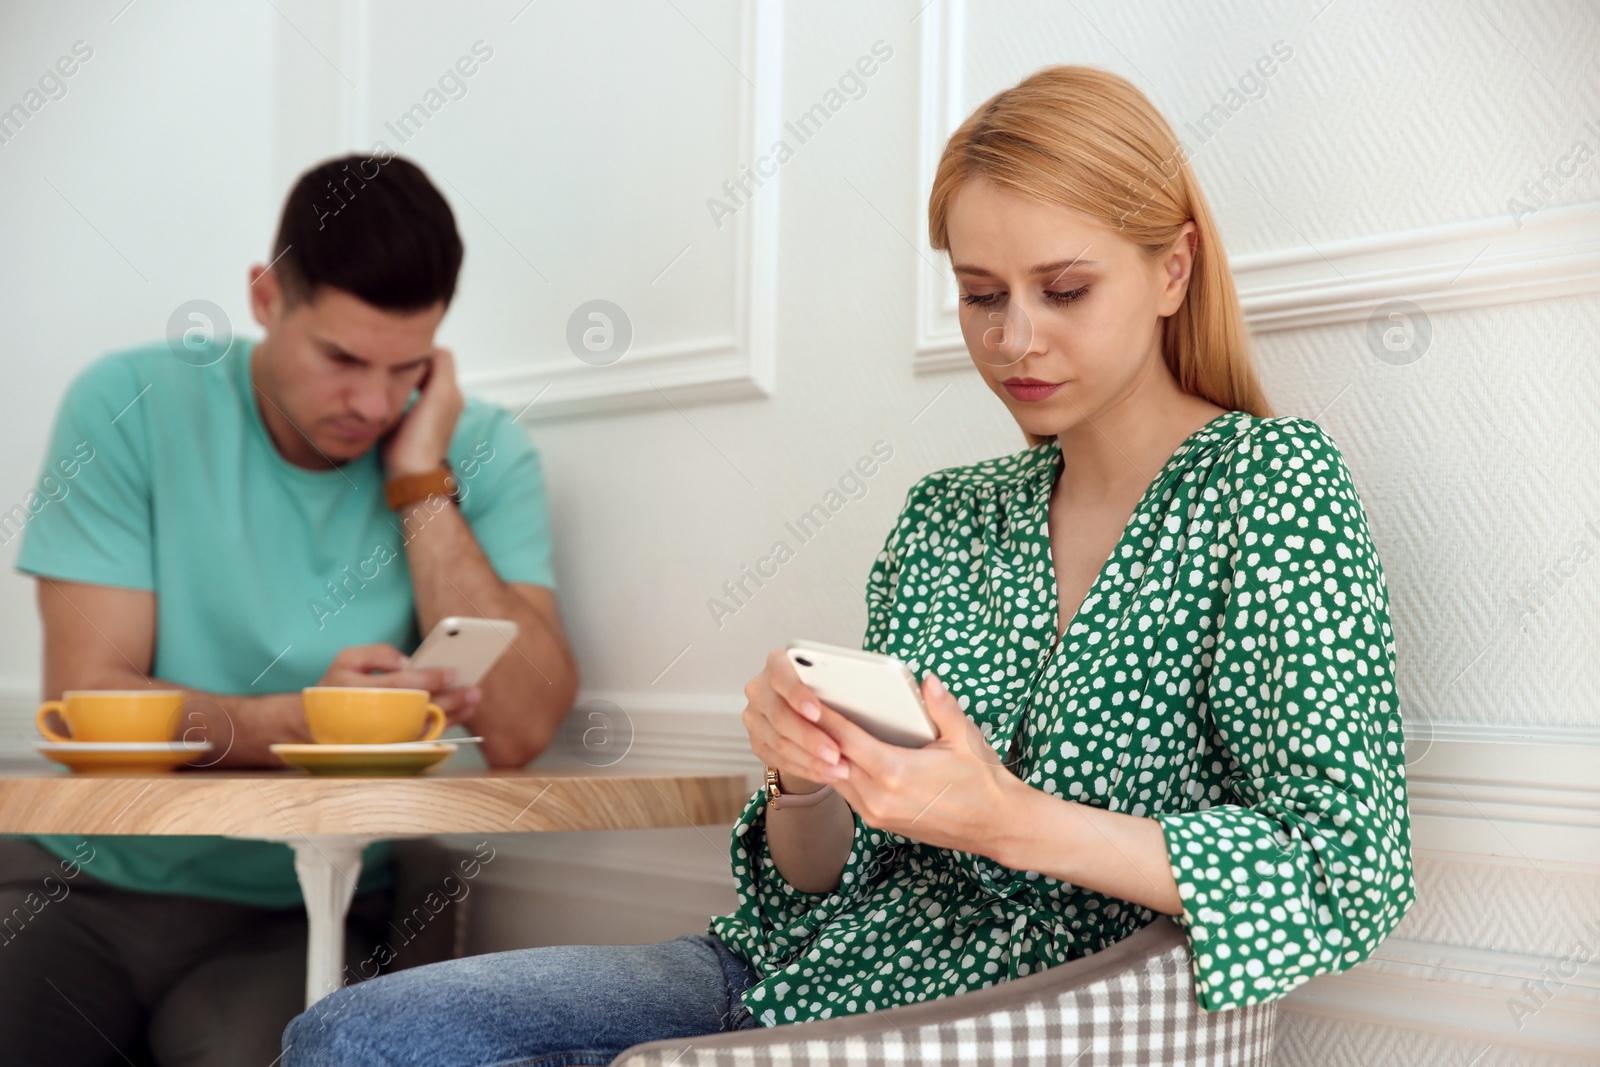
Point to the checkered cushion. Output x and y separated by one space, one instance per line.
1130 1003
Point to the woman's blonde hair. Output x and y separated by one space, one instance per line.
1087 139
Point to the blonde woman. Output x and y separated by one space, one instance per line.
1156 643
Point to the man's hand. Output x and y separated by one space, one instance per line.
354 666
422 439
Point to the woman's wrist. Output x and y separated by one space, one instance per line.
1012 838
1110 852
798 786
784 794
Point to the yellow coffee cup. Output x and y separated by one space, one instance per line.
356 715
114 714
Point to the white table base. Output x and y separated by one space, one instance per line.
328 866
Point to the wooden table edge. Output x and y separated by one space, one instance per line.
289 802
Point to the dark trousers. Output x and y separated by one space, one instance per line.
91 974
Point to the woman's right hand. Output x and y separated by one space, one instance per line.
783 734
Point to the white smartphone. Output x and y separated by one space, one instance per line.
469 645
874 691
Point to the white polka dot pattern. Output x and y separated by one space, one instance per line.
1230 673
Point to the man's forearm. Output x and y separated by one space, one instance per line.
531 687
240 728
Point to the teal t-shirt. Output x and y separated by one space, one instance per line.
262 570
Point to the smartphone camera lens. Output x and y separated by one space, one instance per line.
802 661
452 631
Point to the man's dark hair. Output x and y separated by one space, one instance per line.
372 226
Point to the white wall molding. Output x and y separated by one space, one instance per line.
939 342
700 372
1462 994
740 364
1516 793
1555 252
699 730
1440 268
706 370
1491 969
1521 794
1509 794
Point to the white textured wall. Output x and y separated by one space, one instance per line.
1378 161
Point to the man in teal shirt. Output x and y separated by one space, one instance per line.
226 531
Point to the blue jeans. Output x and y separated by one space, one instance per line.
553 1006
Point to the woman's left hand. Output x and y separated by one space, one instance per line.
950 793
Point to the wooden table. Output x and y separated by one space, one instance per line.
328 821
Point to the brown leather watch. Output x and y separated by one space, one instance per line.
407 489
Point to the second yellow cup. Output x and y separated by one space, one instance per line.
356 715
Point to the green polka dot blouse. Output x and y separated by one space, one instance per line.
1230 674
